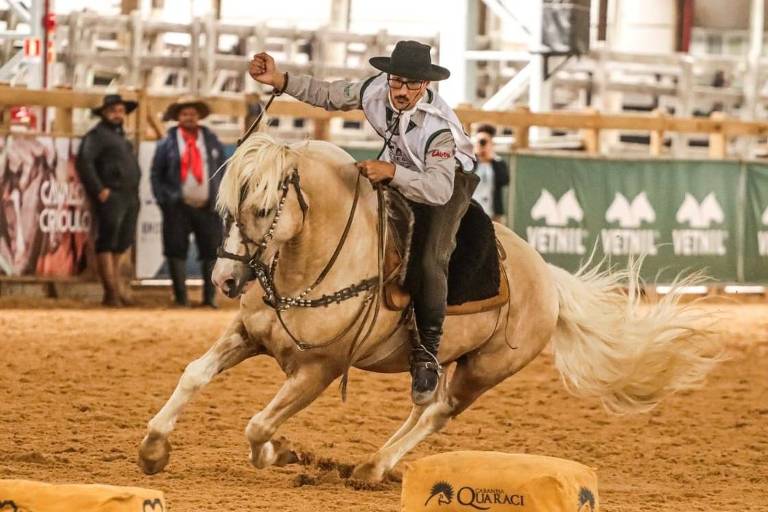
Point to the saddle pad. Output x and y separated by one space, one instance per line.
397 299
475 273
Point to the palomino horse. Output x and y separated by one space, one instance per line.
606 344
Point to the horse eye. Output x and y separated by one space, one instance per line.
262 212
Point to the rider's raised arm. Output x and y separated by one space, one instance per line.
336 95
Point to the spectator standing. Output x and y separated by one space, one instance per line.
185 184
109 170
493 173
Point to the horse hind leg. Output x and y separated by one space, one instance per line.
407 426
466 385
229 350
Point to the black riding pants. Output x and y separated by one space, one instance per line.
433 244
179 220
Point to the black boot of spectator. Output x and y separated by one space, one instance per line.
178 269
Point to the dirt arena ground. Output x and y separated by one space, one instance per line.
77 386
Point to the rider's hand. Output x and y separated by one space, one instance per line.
264 70
104 195
377 170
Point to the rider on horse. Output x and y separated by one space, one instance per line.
428 159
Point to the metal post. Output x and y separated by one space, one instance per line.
540 89
194 57
752 80
137 37
35 69
211 44
458 30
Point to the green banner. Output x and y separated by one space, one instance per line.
756 225
683 215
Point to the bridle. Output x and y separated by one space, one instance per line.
372 287
265 272
255 249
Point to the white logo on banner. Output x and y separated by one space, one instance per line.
555 237
762 236
700 215
557 213
700 240
630 216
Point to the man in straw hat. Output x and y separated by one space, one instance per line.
185 184
110 172
428 158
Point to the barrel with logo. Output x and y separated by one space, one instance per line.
498 482
29 496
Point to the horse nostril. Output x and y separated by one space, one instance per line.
229 285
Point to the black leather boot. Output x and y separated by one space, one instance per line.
178 270
425 367
209 290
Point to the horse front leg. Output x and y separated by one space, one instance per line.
303 386
229 350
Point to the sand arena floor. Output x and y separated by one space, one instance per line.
77 386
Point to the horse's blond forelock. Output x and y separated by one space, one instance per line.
258 165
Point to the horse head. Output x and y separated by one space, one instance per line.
263 207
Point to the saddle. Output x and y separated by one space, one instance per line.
477 280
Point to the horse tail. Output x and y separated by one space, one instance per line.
608 345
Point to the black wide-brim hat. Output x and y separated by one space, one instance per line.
172 113
114 99
411 59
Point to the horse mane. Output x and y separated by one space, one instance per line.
256 170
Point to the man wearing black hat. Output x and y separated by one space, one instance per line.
185 184
110 173
428 158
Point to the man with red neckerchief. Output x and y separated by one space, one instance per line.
185 184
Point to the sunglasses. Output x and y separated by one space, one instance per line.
483 142
397 83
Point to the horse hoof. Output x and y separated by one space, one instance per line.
367 472
264 456
284 455
394 475
154 453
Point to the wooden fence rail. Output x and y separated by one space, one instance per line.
147 125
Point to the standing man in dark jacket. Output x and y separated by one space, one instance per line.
110 173
493 173
185 184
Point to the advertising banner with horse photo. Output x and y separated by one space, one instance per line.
45 221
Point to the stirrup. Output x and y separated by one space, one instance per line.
425 379
427 365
